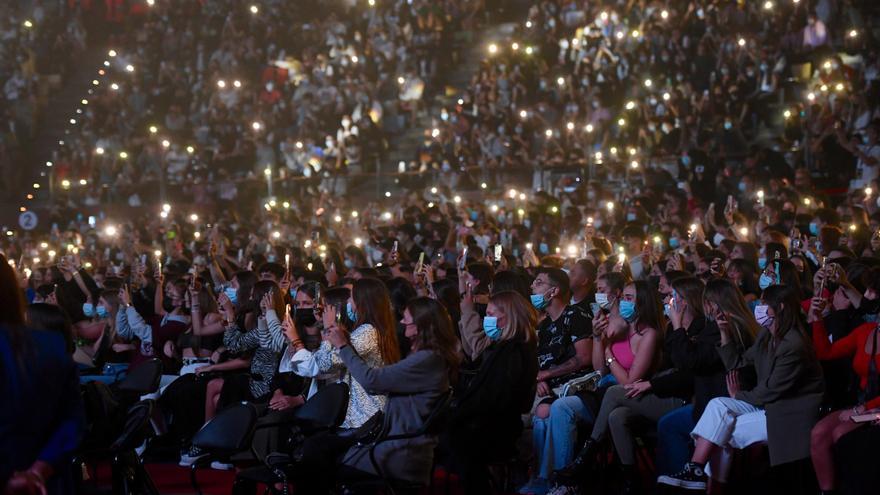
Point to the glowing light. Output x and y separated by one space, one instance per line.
514 46
299 145
554 209
255 10
387 194
635 33
630 105
523 114
83 182
401 80
153 129
194 217
166 207
598 155
110 230
811 96
494 208
166 143
610 205
666 96
852 227
528 24
786 114
853 33
483 185
221 84
529 50
354 214
522 196
648 83
276 235
114 87
123 155
111 53
560 81
358 241
868 191
28 23
634 164
511 193
99 150
588 128
435 133
236 83
620 35
741 42
267 171
190 150
65 184
570 126
823 88
621 122
129 68
839 87
548 133
84 101
456 199
664 14
572 250
807 201
768 5
95 82
493 49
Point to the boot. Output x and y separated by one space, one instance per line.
631 484
578 467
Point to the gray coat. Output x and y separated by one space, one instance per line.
413 386
789 388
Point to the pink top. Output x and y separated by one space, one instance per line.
623 353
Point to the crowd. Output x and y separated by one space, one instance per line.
197 97
716 315
39 43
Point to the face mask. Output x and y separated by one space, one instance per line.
490 327
764 319
352 314
630 217
474 216
628 310
539 301
741 186
686 160
102 312
543 248
89 310
304 317
666 310
765 281
814 228
728 125
602 300
232 294
717 239
348 264
674 243
762 263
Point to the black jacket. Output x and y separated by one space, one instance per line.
503 389
699 371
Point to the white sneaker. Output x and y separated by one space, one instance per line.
221 466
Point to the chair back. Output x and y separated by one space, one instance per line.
135 428
326 409
143 379
230 431
437 419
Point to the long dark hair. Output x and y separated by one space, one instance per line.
648 307
374 307
784 302
336 297
12 311
435 331
45 316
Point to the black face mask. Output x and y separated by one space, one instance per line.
304 317
167 305
870 306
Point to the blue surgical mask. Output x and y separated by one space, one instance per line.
490 327
762 263
686 160
232 294
292 293
101 311
350 312
814 228
628 310
348 263
765 281
602 300
544 248
89 310
674 243
630 217
539 301
474 216
666 310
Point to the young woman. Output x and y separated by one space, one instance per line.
374 337
627 343
486 420
861 346
413 386
780 410
206 337
692 348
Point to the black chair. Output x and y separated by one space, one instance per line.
325 411
432 425
143 379
230 432
129 475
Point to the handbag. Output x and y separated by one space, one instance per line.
368 432
587 382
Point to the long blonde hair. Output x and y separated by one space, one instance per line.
521 316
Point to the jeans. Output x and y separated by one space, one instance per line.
674 440
555 436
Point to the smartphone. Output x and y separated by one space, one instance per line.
595 308
865 418
463 262
394 248
421 262
498 249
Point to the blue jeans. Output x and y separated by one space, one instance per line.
555 436
674 440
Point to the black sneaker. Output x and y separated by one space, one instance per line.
190 456
692 477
